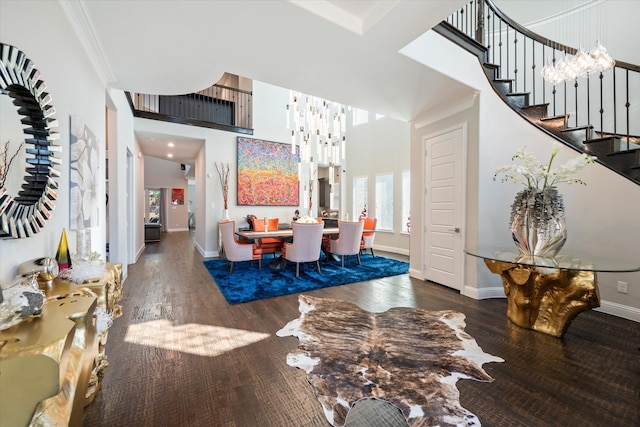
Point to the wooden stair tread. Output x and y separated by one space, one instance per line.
579 128
563 117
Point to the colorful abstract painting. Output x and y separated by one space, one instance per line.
267 173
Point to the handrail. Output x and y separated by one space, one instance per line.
216 107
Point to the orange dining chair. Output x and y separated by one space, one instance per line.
268 244
306 245
368 236
348 241
236 251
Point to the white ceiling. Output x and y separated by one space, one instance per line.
342 50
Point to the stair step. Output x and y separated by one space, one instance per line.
536 112
605 145
579 134
632 139
554 124
564 118
518 100
503 86
624 161
491 70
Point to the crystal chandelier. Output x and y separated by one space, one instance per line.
581 64
318 127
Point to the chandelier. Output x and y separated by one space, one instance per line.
318 128
581 64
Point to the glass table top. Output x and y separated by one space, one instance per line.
565 261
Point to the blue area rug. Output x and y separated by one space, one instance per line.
246 283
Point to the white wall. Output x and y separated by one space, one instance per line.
600 215
37 28
126 236
379 146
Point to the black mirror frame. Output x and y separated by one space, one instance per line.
27 213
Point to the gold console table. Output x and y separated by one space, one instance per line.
546 294
51 366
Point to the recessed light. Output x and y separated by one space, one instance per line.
169 155
170 144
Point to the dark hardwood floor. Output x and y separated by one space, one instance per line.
181 356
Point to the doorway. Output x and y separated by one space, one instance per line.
444 207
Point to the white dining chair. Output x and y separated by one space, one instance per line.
348 241
236 251
306 245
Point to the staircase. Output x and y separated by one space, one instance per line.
617 152
484 31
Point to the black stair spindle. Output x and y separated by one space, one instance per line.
627 105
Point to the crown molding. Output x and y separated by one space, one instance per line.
80 19
448 110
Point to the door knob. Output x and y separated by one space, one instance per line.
455 230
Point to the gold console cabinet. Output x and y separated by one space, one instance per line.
51 366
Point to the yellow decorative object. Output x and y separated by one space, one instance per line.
545 299
62 255
45 365
51 367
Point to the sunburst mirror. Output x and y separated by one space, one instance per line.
26 213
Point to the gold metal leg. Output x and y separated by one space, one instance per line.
546 299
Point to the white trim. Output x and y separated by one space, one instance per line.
172 230
440 113
207 254
619 310
463 202
391 249
483 293
80 19
139 252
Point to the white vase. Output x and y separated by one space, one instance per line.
225 215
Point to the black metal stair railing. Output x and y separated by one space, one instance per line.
600 108
216 107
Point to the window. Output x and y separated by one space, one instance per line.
153 206
360 195
406 201
384 201
360 117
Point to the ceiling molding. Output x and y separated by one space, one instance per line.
359 18
82 24
448 110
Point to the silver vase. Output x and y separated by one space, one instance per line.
537 222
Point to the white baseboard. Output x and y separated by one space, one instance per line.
415 273
619 310
612 308
483 293
171 230
207 254
391 249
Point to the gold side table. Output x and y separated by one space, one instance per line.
546 294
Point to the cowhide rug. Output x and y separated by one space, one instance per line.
408 357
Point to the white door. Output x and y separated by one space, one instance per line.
444 189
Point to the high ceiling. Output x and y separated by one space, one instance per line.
342 50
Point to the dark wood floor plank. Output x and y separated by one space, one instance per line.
213 376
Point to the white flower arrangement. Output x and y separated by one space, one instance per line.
538 175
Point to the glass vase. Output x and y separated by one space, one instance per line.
537 222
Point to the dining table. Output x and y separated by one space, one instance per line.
282 233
